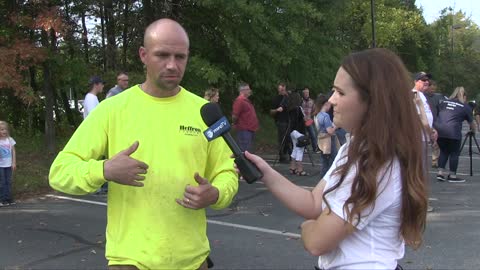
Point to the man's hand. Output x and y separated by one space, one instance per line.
200 196
125 170
280 109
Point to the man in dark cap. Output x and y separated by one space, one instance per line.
95 85
422 82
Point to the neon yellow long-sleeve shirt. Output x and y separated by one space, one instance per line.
145 225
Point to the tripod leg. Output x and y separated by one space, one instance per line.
284 141
476 143
309 156
470 153
464 141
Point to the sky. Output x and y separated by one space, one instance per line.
432 8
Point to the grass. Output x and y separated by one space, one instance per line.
266 136
33 164
31 176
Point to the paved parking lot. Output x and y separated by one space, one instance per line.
256 232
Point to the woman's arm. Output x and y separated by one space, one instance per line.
324 234
331 130
307 204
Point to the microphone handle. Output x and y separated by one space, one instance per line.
249 171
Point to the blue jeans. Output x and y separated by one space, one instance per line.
5 184
245 140
341 136
449 150
326 161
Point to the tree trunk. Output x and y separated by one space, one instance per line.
85 36
68 111
126 25
30 113
148 12
102 26
75 99
69 38
111 45
58 114
175 9
49 102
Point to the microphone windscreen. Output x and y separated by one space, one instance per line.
211 113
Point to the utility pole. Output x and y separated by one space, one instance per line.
372 8
452 58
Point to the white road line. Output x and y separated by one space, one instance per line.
216 222
253 228
75 199
261 183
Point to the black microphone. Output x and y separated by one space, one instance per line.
211 113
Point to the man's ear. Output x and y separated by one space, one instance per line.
142 52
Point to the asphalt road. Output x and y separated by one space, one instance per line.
64 232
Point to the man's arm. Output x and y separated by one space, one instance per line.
236 110
221 173
78 169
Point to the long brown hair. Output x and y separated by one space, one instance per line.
319 102
390 129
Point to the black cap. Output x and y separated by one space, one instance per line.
421 75
95 80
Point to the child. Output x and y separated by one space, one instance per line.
8 164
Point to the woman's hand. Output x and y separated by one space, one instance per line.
261 164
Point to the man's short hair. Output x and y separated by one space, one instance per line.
95 80
242 85
122 73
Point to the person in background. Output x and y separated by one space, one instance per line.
122 84
212 95
95 85
325 130
8 164
422 82
373 199
160 183
279 111
297 133
308 106
451 114
433 100
244 118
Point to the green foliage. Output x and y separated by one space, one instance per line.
457 55
260 42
